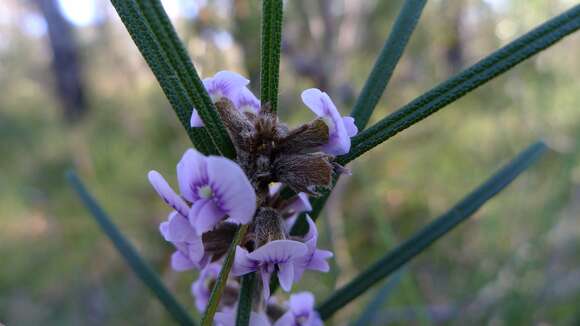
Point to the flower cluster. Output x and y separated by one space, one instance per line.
217 194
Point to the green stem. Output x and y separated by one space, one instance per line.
216 292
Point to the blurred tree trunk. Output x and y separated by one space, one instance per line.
65 61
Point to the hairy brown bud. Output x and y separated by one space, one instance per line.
268 226
302 173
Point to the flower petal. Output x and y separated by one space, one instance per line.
286 275
265 284
195 120
301 303
318 260
350 126
225 84
320 103
242 263
245 100
301 204
179 229
279 251
166 193
200 289
205 215
312 231
180 262
191 174
231 189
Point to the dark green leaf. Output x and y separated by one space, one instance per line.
432 232
220 284
369 314
157 41
137 264
387 61
454 88
272 15
375 85
246 298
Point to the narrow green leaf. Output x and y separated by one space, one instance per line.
157 41
454 88
137 264
369 314
387 61
375 86
272 15
220 284
246 298
432 232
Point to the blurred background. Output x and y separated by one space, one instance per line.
75 93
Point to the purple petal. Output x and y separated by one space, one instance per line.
191 174
180 262
301 204
301 303
320 103
226 317
232 189
166 193
205 215
279 251
265 284
164 229
247 101
318 260
225 84
242 263
195 120
179 229
286 275
350 126
312 231
200 288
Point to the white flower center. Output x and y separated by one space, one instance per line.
204 192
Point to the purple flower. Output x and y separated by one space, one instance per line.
315 259
223 84
340 128
246 101
300 311
167 194
278 253
200 288
227 317
216 187
190 251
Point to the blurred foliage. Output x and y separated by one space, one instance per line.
517 262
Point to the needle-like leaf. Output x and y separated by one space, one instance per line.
387 61
432 232
272 15
246 298
454 88
152 32
137 264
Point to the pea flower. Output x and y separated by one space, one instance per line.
277 254
340 128
215 186
230 85
300 312
190 252
315 259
